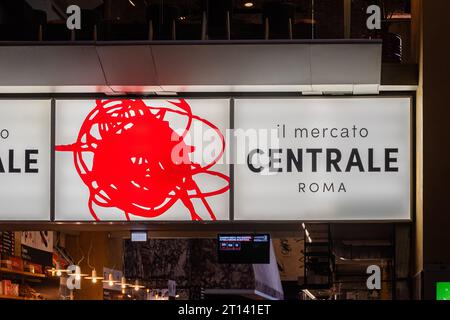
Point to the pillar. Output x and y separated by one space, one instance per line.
432 234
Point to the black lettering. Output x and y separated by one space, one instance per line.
298 161
314 187
249 163
315 133
314 153
273 160
11 163
342 188
390 160
29 161
301 187
372 168
344 133
333 161
4 134
354 131
354 161
331 133
363 130
301 131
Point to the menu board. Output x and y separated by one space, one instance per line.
7 243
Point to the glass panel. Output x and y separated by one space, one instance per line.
395 27
328 19
123 20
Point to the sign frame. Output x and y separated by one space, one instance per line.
412 145
53 98
50 99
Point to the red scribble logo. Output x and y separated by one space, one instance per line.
124 155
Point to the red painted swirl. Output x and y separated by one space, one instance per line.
124 155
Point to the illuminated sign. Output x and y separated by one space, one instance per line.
323 159
443 291
139 236
243 248
293 159
141 159
25 148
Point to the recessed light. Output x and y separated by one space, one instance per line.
248 4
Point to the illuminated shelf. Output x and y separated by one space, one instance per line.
22 273
2 296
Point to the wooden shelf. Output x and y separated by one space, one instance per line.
4 297
22 273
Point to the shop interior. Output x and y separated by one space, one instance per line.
302 262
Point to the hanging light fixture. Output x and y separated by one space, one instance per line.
136 285
94 277
110 281
123 283
77 274
57 272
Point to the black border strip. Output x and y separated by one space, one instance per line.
231 158
189 42
52 158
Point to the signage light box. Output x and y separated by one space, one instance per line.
323 159
25 149
293 159
141 160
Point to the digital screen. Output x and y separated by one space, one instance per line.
243 248
443 291
138 236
